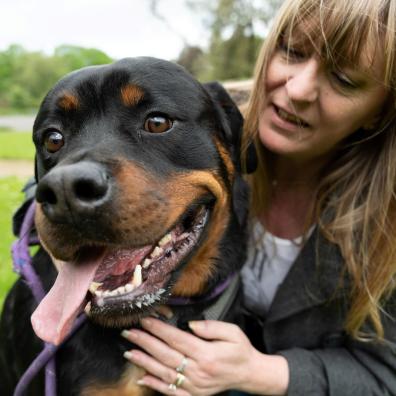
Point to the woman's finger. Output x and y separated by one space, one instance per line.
162 387
183 342
216 330
155 368
155 347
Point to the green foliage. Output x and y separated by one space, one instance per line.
25 77
10 199
236 28
16 145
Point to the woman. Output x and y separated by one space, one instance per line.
321 277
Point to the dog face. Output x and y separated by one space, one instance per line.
139 191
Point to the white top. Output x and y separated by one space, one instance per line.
269 260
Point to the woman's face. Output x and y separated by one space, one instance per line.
310 108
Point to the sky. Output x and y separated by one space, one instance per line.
121 28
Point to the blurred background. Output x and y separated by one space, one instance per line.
42 40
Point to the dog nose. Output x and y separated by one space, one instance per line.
73 190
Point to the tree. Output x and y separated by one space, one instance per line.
25 76
237 28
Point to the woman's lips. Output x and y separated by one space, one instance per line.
286 120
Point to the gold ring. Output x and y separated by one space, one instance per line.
172 387
180 369
179 380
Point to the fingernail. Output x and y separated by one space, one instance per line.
141 382
128 355
129 334
194 325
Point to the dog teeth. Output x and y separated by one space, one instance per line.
137 276
146 263
87 307
167 238
128 288
157 252
121 290
138 304
94 286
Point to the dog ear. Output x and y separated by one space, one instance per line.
232 125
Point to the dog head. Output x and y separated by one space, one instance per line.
139 191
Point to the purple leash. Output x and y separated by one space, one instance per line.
214 293
23 266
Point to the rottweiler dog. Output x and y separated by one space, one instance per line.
140 199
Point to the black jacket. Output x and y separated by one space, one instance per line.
305 325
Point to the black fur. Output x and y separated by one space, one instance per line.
102 130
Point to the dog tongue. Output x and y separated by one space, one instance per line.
53 318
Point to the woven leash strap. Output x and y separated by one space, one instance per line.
22 262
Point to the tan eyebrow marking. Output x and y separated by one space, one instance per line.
68 101
131 94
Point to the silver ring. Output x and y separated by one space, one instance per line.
180 369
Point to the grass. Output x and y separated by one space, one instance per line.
16 145
10 199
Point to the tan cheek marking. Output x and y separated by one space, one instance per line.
68 101
142 203
125 387
226 158
196 273
131 95
40 221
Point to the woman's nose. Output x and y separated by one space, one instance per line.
303 83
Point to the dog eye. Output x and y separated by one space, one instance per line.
157 124
53 141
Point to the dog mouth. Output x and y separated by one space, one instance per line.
116 286
135 279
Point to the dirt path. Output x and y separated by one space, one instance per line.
19 168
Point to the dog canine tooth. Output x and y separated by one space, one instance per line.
128 287
87 307
146 263
137 276
94 286
157 252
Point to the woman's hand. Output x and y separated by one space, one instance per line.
222 358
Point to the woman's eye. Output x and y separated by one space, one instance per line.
343 80
53 141
291 52
157 124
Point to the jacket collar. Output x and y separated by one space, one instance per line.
314 278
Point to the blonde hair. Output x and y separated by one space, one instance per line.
358 188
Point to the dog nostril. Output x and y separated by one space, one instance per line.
46 196
89 190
